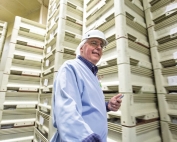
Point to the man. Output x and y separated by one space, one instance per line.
78 106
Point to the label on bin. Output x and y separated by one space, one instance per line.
175 55
173 31
101 4
47 63
104 63
48 49
45 102
100 23
172 80
79 8
46 82
171 7
41 120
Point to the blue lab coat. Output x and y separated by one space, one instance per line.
78 104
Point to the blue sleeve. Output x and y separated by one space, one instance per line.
67 107
107 109
92 138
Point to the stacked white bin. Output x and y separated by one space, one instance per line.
64 32
126 68
161 17
3 31
20 71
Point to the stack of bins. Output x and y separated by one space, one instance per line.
3 31
64 32
20 81
161 17
126 68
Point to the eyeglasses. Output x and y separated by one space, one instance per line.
95 44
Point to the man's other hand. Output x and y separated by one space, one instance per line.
115 102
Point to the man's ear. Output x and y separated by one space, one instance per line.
81 49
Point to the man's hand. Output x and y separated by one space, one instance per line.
115 103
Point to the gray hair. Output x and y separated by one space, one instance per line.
79 47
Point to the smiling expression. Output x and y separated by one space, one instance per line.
92 50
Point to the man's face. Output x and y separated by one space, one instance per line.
92 50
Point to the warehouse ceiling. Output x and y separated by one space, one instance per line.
11 8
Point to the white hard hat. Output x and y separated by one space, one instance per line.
95 34
91 34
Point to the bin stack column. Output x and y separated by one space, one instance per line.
162 28
64 32
20 81
126 68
